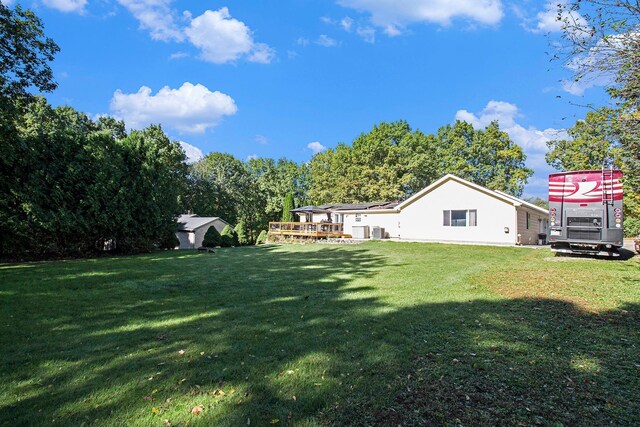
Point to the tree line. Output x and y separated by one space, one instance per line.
72 185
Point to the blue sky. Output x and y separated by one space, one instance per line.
289 77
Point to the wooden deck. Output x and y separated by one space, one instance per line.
306 229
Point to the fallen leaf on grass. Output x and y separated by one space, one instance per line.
197 409
148 398
219 393
275 421
181 352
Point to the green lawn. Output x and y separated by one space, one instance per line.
373 334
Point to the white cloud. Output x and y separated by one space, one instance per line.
262 54
326 41
193 153
394 15
76 6
557 16
155 16
178 55
368 34
596 66
6 2
365 31
252 157
222 39
589 80
262 140
219 37
316 147
304 42
189 109
532 140
346 23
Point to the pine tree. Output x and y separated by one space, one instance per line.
229 236
288 205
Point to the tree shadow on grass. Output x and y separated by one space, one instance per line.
299 338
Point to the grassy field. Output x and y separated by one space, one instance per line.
373 334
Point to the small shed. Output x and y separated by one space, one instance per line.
192 228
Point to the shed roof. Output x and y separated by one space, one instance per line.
190 222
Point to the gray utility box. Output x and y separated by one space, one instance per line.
377 233
360 231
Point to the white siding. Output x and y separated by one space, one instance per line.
386 220
422 220
187 239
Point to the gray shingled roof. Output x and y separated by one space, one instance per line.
359 206
192 222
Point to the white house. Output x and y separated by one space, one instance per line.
450 210
192 228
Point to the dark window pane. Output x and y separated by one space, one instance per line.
446 218
458 218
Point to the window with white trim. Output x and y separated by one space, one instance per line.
358 217
473 217
460 218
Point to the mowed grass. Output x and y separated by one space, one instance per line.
373 334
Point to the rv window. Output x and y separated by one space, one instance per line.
528 219
458 218
473 218
446 218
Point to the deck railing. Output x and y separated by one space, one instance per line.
306 229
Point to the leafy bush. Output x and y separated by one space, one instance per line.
212 238
169 241
262 238
241 232
632 227
229 237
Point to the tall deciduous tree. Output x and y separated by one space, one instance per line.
219 180
392 162
25 53
591 144
487 157
389 162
